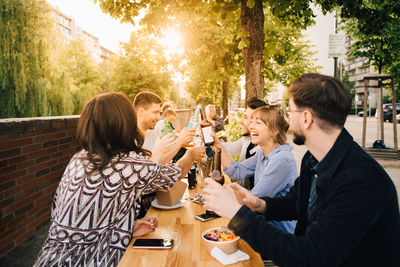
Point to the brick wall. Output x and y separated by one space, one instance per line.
33 155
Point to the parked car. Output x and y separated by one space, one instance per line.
397 117
361 113
388 111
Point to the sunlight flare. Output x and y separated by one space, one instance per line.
172 40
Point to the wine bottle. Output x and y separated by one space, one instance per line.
217 173
192 177
195 118
206 130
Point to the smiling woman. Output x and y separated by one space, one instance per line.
273 166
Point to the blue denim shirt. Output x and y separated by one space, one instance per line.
274 174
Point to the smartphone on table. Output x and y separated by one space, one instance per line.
206 216
153 243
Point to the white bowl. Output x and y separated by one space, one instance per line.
228 247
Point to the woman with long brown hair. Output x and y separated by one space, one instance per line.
273 166
98 198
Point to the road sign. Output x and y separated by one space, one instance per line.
336 45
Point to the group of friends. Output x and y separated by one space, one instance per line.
342 210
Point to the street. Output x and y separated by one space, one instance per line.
354 126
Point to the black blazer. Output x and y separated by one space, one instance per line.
354 221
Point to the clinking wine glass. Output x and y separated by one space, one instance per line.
217 176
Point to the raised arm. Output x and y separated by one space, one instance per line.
191 155
166 147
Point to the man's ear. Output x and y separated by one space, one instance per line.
139 111
307 119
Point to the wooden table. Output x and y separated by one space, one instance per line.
186 231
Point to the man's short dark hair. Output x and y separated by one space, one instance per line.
255 103
327 97
166 106
169 111
145 98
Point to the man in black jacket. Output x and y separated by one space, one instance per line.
345 203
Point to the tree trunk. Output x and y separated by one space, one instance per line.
225 98
252 22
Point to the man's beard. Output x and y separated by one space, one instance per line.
298 139
151 126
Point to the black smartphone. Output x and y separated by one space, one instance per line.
153 243
206 216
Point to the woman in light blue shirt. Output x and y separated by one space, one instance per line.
273 166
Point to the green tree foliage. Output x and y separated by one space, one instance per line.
142 67
375 29
214 60
78 67
40 73
210 74
214 42
374 26
376 47
23 58
287 56
105 69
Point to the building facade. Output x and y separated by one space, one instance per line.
70 31
357 69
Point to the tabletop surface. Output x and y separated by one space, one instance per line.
186 231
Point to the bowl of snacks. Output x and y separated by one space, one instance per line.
223 238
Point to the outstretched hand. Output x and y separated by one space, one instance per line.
198 153
144 226
186 136
244 197
217 142
216 196
164 149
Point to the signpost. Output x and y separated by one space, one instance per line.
336 45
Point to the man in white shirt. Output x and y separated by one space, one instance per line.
216 121
243 146
148 109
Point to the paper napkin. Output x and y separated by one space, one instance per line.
226 259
